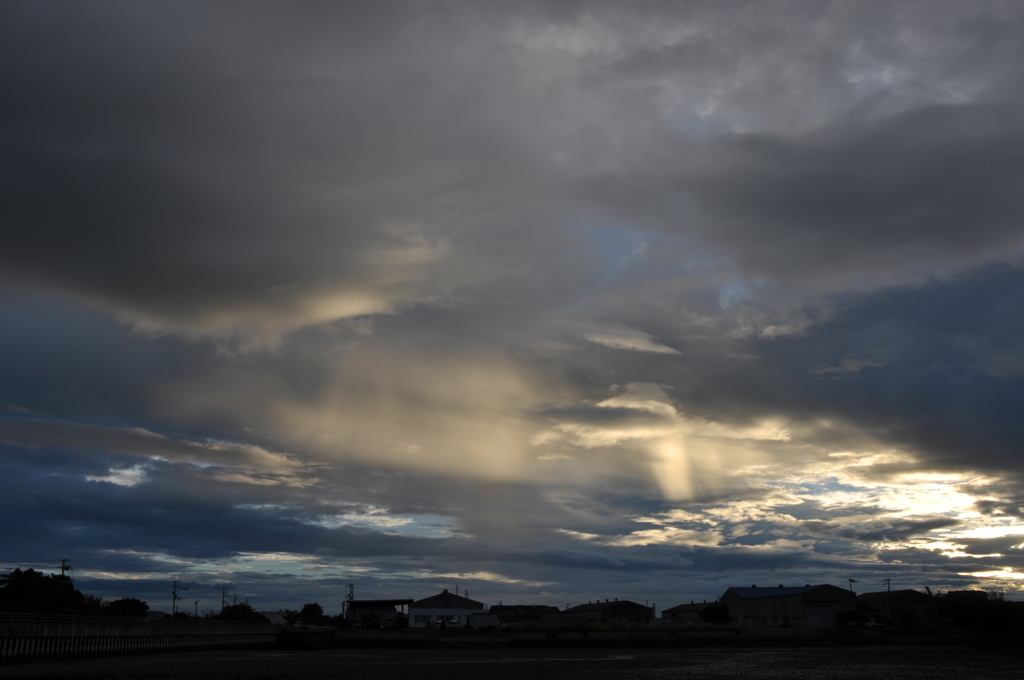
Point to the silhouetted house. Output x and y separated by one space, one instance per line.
902 607
806 607
972 596
621 611
483 619
378 613
524 613
686 613
448 608
276 618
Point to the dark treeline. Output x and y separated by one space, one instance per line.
980 609
33 592
312 614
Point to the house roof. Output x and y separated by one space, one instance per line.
754 593
691 607
446 600
598 606
887 594
522 607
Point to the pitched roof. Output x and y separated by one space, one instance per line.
523 607
754 593
886 594
446 600
598 606
691 607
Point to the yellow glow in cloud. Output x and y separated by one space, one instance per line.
666 535
989 532
672 469
1006 573
629 339
677 449
489 576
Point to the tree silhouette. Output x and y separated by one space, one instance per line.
126 606
33 592
312 614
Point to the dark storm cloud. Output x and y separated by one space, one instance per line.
210 192
1012 507
854 206
932 394
172 512
884 530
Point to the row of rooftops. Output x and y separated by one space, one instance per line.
448 600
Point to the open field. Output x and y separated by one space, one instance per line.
593 664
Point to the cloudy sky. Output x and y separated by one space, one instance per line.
547 302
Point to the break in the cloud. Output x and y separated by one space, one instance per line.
547 300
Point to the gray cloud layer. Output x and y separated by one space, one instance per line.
369 281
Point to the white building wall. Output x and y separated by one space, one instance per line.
458 617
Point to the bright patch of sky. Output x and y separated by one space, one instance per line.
428 526
121 476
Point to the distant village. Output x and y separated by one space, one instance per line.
807 606
43 616
32 593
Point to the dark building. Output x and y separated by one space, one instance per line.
620 611
447 609
805 607
378 613
525 613
686 613
901 607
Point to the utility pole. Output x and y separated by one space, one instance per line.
197 608
852 581
346 606
888 582
234 598
223 598
175 587
64 566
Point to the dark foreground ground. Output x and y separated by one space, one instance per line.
544 664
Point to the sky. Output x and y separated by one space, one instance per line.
544 301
